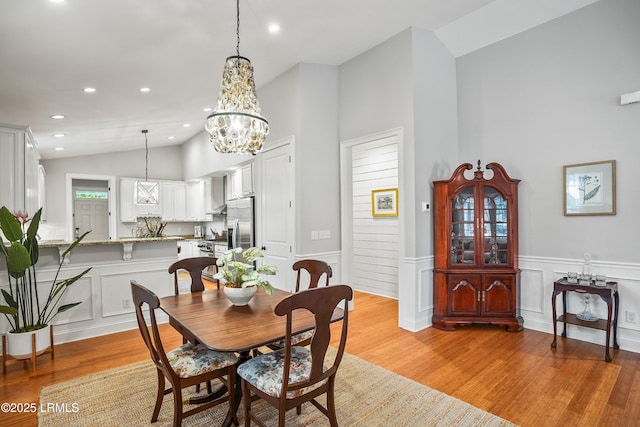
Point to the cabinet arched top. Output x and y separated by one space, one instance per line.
499 175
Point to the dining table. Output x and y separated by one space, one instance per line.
209 318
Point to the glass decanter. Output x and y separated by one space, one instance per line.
585 279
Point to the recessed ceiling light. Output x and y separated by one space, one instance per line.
56 1
57 116
186 125
58 135
172 137
274 28
207 109
59 148
89 89
145 89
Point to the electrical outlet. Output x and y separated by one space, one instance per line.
126 303
631 316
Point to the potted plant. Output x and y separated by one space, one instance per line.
240 277
25 310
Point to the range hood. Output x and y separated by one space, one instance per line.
220 210
219 189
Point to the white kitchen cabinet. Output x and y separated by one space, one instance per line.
19 162
173 200
149 210
128 211
186 249
246 176
42 174
208 195
234 185
195 201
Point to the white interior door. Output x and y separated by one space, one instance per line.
277 219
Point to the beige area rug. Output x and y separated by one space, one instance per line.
366 395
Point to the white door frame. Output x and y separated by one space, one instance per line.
69 177
346 202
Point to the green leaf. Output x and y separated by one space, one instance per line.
11 311
66 307
18 258
9 299
9 225
60 286
74 244
32 231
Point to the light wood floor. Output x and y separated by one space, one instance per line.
513 375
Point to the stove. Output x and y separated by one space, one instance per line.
212 249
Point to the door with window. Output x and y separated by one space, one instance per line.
91 213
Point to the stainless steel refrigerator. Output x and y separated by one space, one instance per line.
240 223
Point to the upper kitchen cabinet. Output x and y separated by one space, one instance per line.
240 182
179 201
19 174
246 185
196 201
173 200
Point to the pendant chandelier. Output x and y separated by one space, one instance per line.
236 126
146 191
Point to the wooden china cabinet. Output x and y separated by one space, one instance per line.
476 275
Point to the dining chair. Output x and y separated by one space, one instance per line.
194 266
291 376
316 269
190 364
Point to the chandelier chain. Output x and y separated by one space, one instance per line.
146 157
238 28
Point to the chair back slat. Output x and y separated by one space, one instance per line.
194 266
315 268
150 333
321 302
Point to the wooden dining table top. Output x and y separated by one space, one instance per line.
211 319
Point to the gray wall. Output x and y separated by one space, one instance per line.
407 81
550 97
303 102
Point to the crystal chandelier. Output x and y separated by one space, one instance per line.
146 191
236 126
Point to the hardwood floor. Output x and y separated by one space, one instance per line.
513 375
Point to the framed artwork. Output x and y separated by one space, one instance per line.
590 188
384 202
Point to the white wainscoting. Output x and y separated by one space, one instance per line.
103 292
536 287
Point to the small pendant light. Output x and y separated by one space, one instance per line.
146 191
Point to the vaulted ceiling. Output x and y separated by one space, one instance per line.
50 51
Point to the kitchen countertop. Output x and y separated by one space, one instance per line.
121 240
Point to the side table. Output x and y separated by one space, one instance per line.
608 293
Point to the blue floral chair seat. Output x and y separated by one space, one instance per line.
265 371
295 340
190 360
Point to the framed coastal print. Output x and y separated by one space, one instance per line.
590 188
384 202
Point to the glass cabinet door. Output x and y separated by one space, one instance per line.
496 228
462 227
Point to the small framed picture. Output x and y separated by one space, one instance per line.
590 188
384 202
